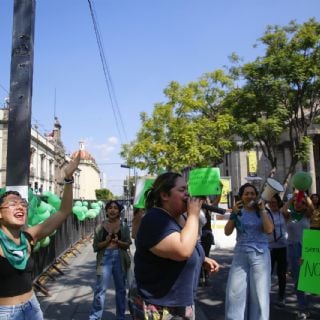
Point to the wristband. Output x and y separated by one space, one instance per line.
233 216
68 181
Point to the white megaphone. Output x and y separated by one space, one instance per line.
270 189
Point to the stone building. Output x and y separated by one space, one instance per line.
252 166
47 158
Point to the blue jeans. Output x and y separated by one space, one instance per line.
248 286
294 255
28 310
111 267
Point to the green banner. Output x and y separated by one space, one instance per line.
309 276
204 182
143 185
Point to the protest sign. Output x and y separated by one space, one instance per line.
309 276
204 182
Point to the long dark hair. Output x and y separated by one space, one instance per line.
164 183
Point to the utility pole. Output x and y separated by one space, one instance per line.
21 76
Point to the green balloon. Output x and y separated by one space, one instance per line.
85 203
302 181
55 201
77 210
36 247
43 207
30 194
35 220
78 203
45 242
91 214
81 216
44 215
94 205
47 193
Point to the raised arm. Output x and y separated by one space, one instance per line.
44 229
179 246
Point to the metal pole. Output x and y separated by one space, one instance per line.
21 76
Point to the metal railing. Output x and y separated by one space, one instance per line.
63 241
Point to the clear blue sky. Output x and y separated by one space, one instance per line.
147 43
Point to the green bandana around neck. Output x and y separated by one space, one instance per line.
295 216
17 255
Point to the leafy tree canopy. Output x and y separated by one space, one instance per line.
191 129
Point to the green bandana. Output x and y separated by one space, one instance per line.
17 255
295 216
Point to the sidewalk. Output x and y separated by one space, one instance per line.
72 293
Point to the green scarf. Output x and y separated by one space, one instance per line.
295 216
17 255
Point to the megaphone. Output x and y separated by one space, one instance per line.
271 187
301 181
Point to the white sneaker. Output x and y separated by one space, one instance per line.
302 315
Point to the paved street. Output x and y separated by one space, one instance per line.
71 293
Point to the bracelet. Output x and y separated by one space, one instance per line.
233 216
68 181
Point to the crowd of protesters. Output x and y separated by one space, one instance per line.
172 254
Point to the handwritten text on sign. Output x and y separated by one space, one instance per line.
309 276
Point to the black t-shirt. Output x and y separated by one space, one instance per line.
161 281
14 282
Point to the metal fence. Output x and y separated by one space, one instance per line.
65 238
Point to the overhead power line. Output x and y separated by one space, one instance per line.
107 76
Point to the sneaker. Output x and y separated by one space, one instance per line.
303 315
281 303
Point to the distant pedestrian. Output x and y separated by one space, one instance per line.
278 245
168 256
248 286
315 218
111 241
17 299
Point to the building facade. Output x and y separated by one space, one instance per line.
47 158
90 178
252 166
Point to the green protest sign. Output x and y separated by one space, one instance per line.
309 276
204 182
143 184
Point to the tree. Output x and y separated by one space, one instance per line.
281 92
104 194
191 129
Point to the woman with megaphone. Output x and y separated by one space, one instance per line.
248 286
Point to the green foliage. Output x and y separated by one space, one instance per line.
191 129
103 194
277 93
281 91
